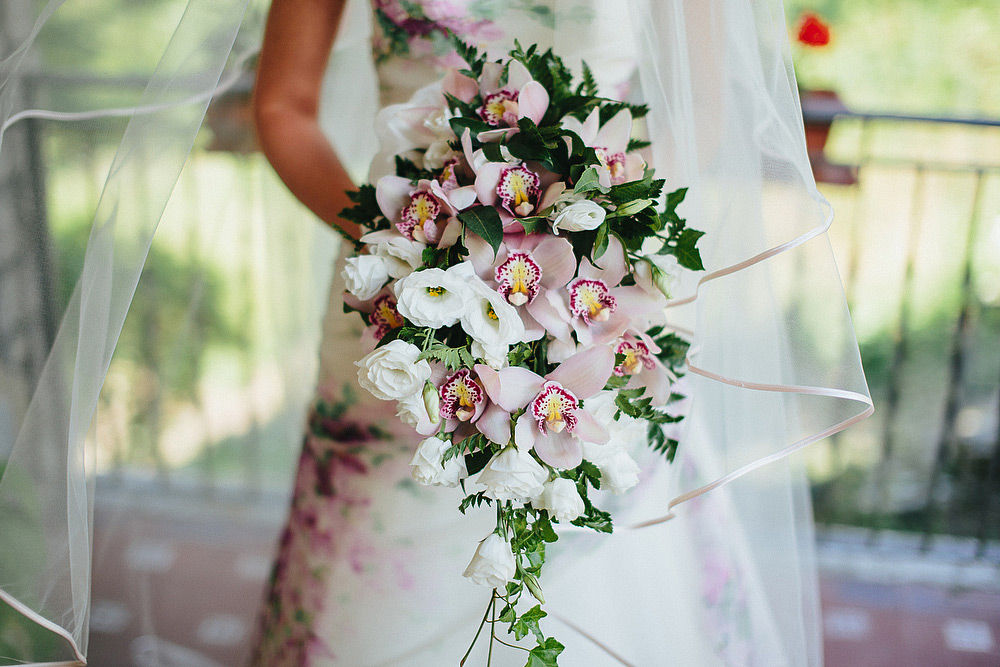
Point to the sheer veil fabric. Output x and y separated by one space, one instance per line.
767 379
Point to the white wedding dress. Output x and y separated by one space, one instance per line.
369 569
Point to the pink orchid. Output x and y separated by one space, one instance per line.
553 423
529 270
503 106
643 368
600 310
425 212
611 142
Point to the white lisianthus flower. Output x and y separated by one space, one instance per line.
494 355
562 500
365 275
619 473
433 297
513 475
430 468
411 410
392 372
494 564
657 272
400 254
579 216
438 153
492 322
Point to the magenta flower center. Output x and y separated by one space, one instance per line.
591 300
519 189
615 162
519 277
460 395
422 207
385 317
554 409
637 357
449 175
500 109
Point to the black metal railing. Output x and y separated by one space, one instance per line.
928 461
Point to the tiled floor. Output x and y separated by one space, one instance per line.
870 619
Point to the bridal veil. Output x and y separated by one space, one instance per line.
774 363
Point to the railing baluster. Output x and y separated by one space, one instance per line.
900 337
959 346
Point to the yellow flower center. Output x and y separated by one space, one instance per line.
436 291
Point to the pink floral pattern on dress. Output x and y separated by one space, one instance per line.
322 530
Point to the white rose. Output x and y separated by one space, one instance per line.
392 371
513 475
437 154
365 275
657 272
562 499
432 298
401 255
579 216
619 473
439 122
490 320
428 466
493 565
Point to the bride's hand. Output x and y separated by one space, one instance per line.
293 57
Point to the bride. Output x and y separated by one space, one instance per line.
711 561
368 568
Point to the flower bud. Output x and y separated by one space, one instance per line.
432 402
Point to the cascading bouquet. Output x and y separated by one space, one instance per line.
513 280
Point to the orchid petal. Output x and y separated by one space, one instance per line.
532 101
549 315
450 234
481 255
555 256
495 424
467 147
551 194
589 429
590 127
487 180
615 134
637 302
525 432
605 332
511 388
559 350
489 81
559 450
393 195
612 264
517 75
492 136
460 86
658 384
586 372
463 197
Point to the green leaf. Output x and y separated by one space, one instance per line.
535 224
601 240
685 251
492 152
545 654
634 207
527 623
588 182
484 221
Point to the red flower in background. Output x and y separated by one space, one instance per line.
813 30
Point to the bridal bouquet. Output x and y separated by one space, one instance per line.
513 281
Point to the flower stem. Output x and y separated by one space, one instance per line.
489 608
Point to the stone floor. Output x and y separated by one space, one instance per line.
882 608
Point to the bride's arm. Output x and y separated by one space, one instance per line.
297 43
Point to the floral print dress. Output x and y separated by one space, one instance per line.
369 566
